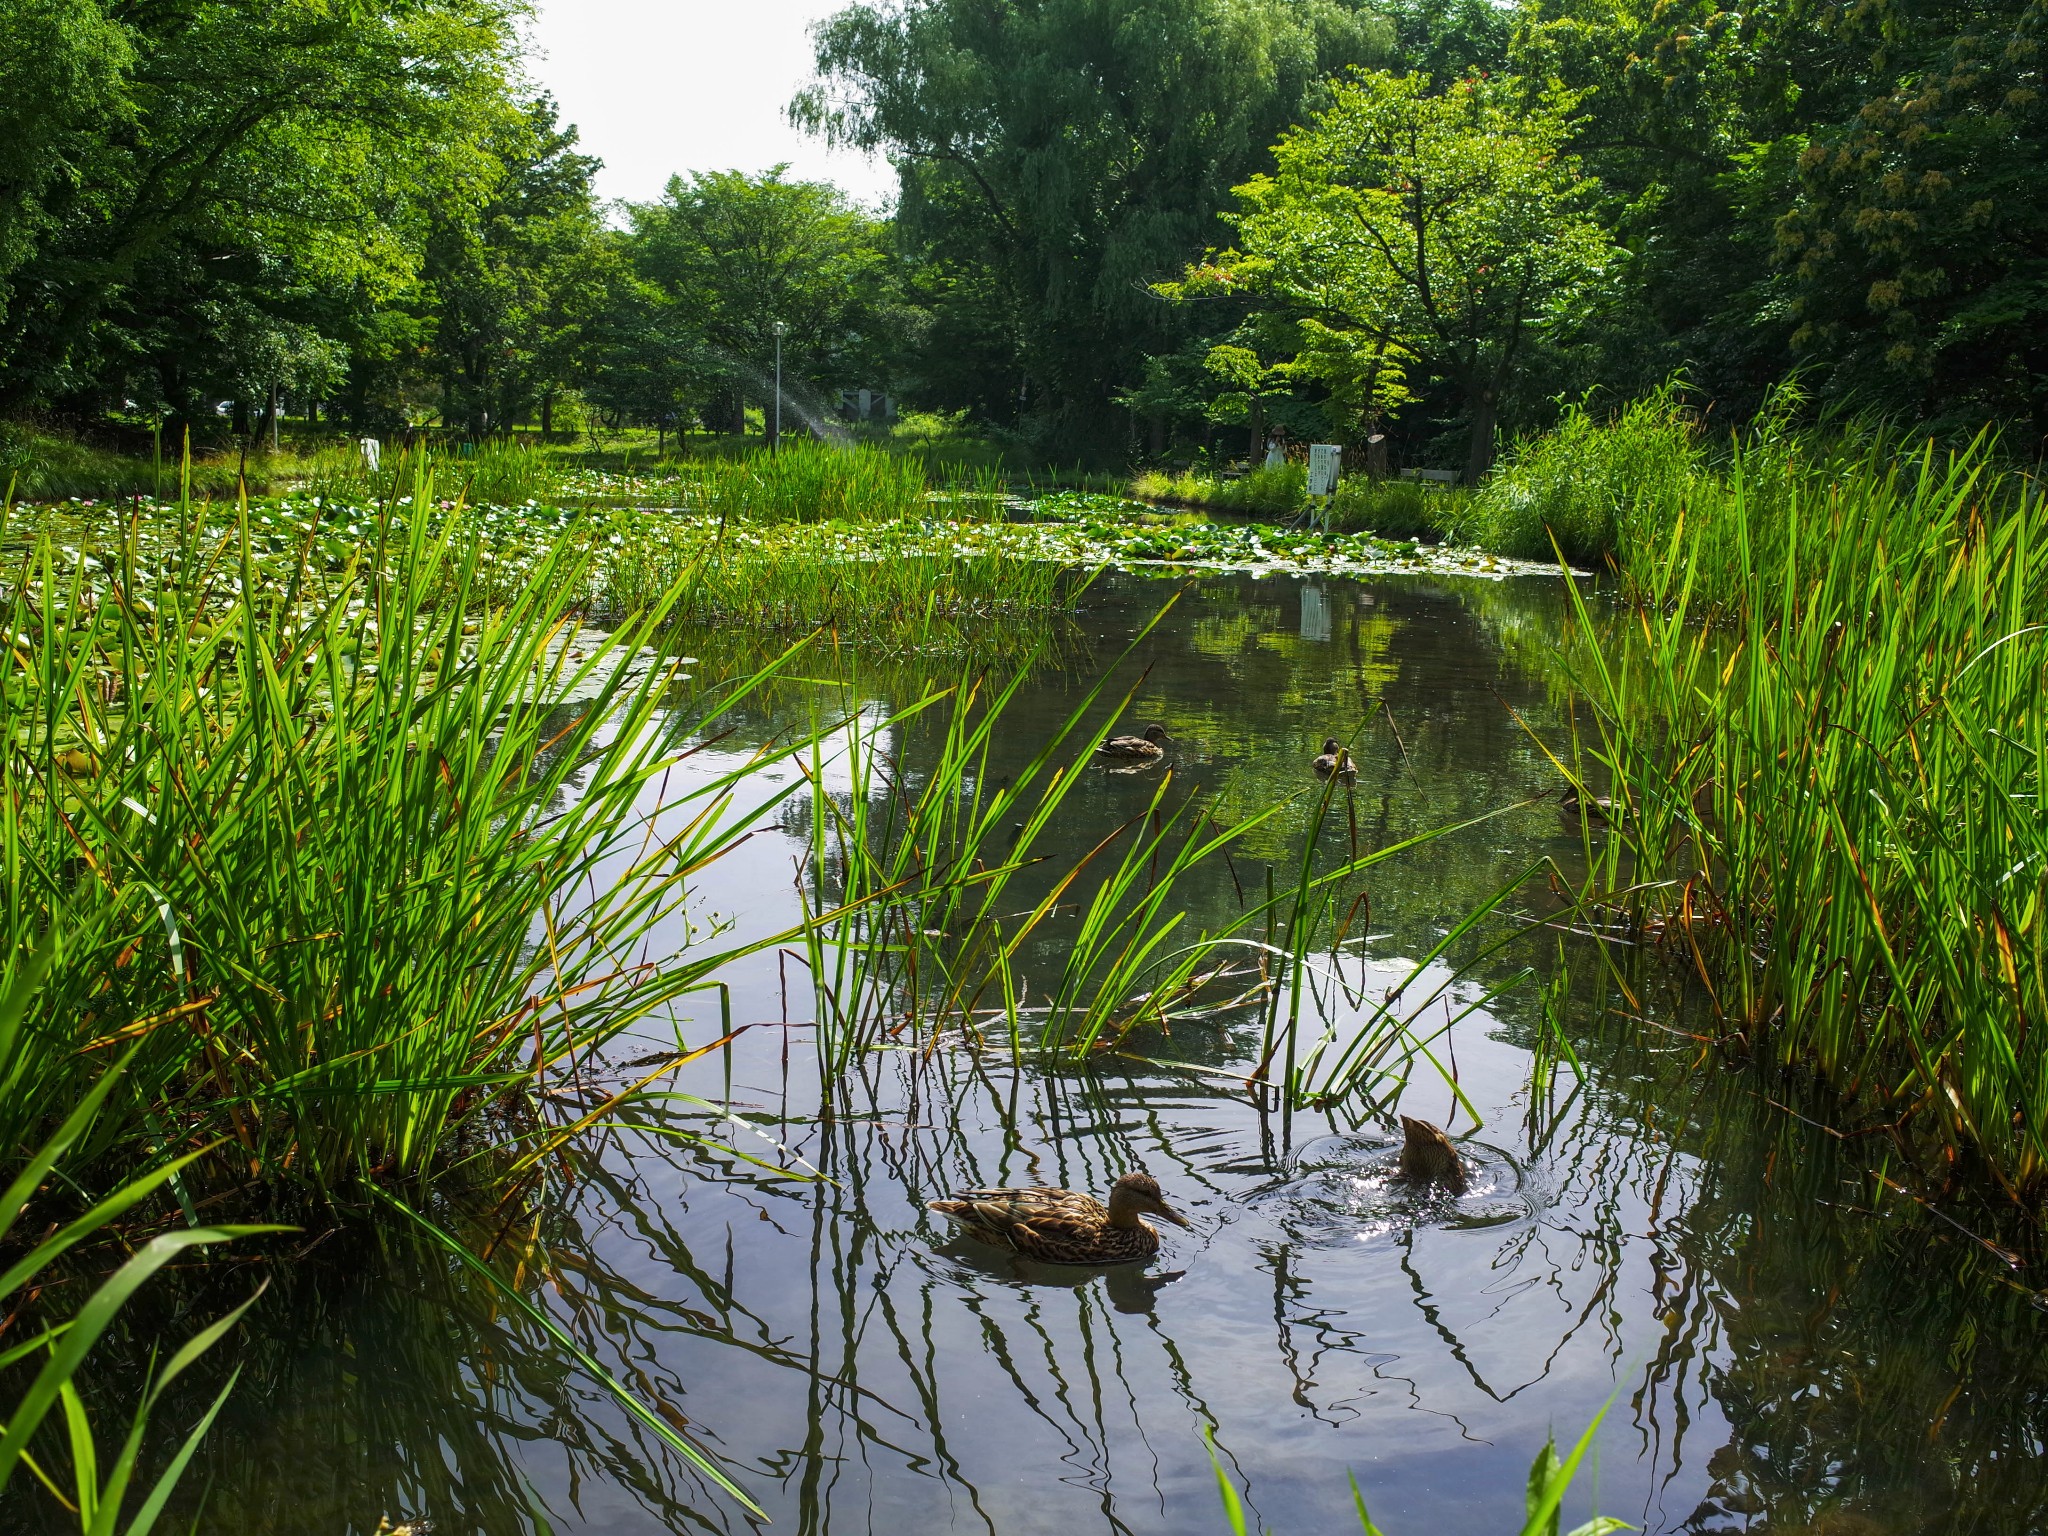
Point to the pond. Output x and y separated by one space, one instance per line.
1645 1228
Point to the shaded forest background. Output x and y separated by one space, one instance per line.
363 217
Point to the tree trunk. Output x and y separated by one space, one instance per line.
547 414
1485 418
1256 452
1157 445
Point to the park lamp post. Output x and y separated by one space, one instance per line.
781 329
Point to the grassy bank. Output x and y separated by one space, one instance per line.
1400 509
1827 799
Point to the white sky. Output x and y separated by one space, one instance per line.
662 86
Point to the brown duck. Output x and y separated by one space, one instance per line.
1136 748
1427 1156
1337 760
1575 808
1065 1226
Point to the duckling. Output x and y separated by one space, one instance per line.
1065 1226
1140 748
1427 1156
1336 759
1575 807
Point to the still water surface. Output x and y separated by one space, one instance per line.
1779 1357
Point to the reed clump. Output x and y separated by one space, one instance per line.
1362 504
809 482
1829 801
1278 491
1598 481
316 845
929 587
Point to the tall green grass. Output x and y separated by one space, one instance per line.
1278 492
918 587
1395 508
48 466
1829 803
1596 481
349 857
810 482
943 902
496 472
48 1347
347 866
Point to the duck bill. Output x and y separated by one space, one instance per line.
1168 1213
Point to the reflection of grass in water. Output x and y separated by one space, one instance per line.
1841 1330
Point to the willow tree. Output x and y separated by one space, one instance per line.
1057 157
1430 231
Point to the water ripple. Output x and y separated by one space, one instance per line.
1347 1190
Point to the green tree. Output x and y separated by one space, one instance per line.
1408 230
1681 107
1916 236
515 284
63 65
1057 157
731 256
296 142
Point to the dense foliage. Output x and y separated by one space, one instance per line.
1125 231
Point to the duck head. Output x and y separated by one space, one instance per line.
1138 1193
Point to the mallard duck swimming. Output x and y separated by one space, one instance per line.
1150 745
1427 1156
1335 759
1575 807
1065 1226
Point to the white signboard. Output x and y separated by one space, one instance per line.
1324 461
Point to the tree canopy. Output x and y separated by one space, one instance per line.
1412 228
1121 223
1059 156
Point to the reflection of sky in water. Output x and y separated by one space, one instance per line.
1652 1235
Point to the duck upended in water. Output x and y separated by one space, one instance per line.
1136 748
1575 807
1427 1156
1065 1226
1336 759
